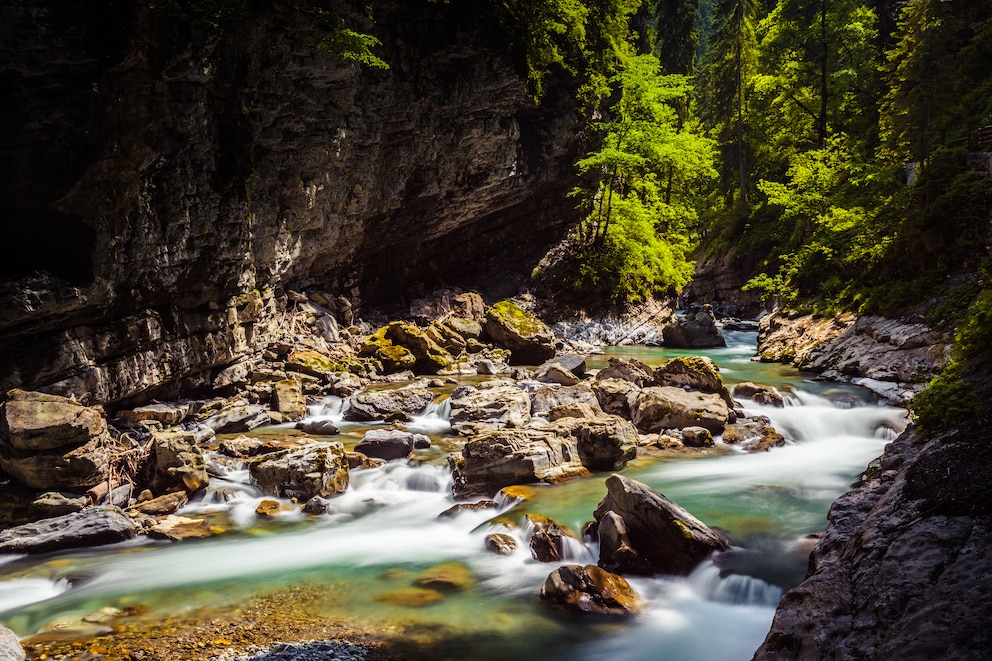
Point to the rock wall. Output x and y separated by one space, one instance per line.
903 570
718 281
893 358
164 182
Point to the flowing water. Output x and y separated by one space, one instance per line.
384 531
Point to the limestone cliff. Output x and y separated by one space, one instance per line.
164 182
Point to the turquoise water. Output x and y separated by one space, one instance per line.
385 531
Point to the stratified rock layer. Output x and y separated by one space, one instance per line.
175 178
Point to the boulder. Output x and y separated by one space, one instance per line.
316 469
409 597
429 357
501 406
389 444
693 373
175 463
317 506
753 434
466 328
313 363
75 470
547 540
570 362
670 539
568 448
632 370
616 554
528 338
169 415
500 543
758 393
237 417
10 646
54 503
359 460
615 396
319 428
288 399
446 338
583 410
546 398
241 447
666 407
697 330
373 405
35 422
90 527
555 373
164 504
590 589
697 437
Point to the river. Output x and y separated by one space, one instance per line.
384 531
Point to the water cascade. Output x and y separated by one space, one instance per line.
385 529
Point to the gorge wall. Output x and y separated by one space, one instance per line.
164 182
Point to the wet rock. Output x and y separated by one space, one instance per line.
271 508
410 597
758 393
450 576
288 399
319 428
693 373
754 435
606 442
697 437
345 385
169 414
90 527
178 528
429 357
555 373
529 340
571 362
501 543
176 463
548 541
458 508
165 504
671 539
317 469
697 330
590 589
10 646
317 506
236 418
665 407
632 370
615 551
388 444
375 405
359 460
491 407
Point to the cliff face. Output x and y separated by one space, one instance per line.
175 179
903 569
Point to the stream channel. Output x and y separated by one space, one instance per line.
385 531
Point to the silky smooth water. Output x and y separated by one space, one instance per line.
384 531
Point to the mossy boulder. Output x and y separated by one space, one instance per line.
695 373
400 346
528 338
312 363
466 328
316 469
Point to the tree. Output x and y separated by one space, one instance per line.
732 62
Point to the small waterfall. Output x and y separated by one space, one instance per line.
403 477
329 408
436 418
732 588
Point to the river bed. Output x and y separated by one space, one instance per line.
384 532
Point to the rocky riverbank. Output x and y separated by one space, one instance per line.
903 569
81 475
